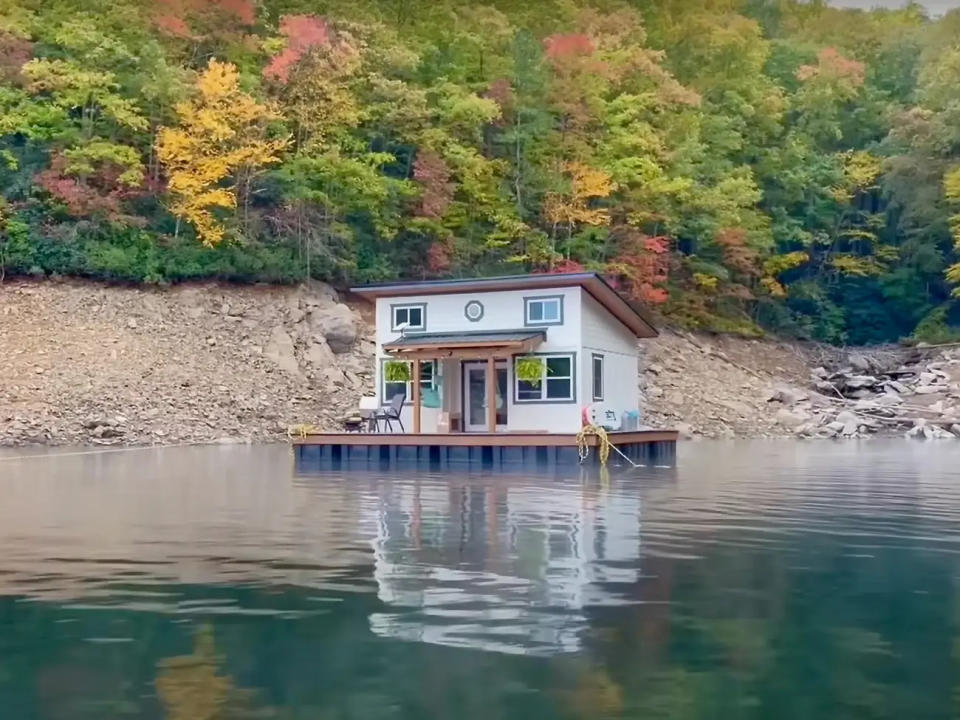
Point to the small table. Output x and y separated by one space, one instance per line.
368 408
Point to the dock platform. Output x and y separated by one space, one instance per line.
335 451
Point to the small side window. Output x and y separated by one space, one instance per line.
597 377
543 310
408 317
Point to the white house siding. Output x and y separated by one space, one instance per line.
603 334
503 310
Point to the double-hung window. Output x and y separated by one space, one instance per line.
556 382
428 381
539 311
408 317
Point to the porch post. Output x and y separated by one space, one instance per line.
492 394
415 380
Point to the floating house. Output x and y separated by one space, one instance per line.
469 367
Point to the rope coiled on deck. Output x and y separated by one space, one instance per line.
603 443
302 431
604 446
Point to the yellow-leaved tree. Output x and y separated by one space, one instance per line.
576 207
951 188
219 144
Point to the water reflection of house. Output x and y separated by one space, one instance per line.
503 568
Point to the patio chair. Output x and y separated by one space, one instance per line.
391 412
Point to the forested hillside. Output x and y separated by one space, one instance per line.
739 164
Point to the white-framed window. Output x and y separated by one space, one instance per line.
556 384
539 311
428 381
411 317
597 360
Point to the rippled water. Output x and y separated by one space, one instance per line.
756 580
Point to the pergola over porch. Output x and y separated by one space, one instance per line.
489 346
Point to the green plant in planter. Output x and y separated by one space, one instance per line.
529 369
396 371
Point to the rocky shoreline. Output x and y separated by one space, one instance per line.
83 363
89 364
910 391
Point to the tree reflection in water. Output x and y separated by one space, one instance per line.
192 687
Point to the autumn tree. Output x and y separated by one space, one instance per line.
747 166
221 137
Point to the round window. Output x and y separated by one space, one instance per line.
473 310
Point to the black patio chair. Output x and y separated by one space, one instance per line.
391 412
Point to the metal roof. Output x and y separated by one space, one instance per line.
628 313
455 339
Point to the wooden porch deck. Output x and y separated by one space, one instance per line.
332 451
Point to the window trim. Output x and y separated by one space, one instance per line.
543 382
409 384
527 322
598 397
407 306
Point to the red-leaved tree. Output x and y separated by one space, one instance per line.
14 54
433 174
176 17
303 33
642 266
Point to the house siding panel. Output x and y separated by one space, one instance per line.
605 335
587 328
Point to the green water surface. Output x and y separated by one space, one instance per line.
756 580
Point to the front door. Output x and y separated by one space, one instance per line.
475 396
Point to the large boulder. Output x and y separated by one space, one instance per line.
337 324
860 363
279 349
319 354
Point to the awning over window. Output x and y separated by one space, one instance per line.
502 343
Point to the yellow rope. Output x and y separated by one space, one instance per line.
603 443
604 446
303 430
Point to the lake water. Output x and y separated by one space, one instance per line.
755 580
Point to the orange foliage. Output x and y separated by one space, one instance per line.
568 266
438 258
303 32
563 45
561 267
173 25
14 54
432 173
737 255
243 10
642 267
99 194
501 92
831 64
173 16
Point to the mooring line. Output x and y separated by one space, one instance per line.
104 451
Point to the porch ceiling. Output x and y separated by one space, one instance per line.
431 346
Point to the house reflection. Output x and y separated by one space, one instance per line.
504 568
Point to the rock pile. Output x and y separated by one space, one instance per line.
717 386
915 392
82 363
